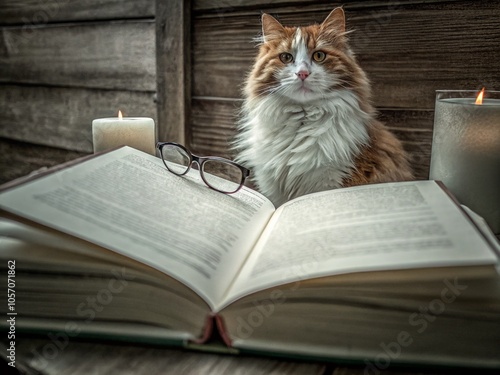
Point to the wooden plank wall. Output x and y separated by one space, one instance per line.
64 63
409 49
173 69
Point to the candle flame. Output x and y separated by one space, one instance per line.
479 99
120 116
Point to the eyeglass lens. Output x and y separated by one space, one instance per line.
222 176
216 173
176 159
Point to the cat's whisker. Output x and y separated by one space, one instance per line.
302 133
269 91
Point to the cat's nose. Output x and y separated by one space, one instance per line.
302 74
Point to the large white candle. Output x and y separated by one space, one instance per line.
466 150
136 132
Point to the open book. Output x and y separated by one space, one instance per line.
116 246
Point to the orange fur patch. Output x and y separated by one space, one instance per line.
352 131
383 160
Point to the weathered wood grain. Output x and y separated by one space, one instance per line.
220 7
80 358
113 55
414 129
213 128
213 125
20 158
207 6
389 371
408 51
36 12
62 117
173 61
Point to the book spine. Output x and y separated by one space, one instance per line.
219 321
207 331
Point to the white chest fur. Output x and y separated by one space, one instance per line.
298 148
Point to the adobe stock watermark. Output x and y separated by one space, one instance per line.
361 37
419 321
88 310
266 307
222 8
47 10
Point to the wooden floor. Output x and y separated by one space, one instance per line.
41 356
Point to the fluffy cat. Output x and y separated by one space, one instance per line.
307 124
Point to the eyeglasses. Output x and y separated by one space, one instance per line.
218 173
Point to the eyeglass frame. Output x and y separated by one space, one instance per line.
200 160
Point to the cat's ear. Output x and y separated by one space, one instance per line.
271 28
335 22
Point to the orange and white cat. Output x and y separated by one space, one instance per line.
307 123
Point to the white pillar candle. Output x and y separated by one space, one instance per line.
136 132
466 150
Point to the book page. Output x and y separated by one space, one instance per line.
128 202
365 228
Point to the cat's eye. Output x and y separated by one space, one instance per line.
286 58
319 56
